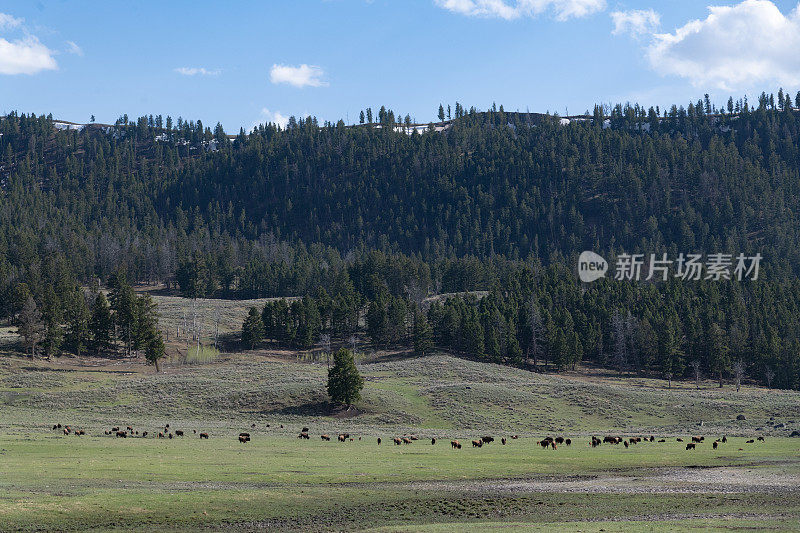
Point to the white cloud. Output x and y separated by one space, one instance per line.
73 48
8 22
735 47
514 9
302 76
275 117
636 22
25 56
197 71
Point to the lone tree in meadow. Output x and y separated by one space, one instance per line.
154 350
344 381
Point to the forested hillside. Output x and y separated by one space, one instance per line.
367 221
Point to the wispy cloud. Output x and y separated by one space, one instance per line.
636 22
514 9
25 55
73 48
733 48
8 22
301 76
197 71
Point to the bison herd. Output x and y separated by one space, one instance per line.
548 442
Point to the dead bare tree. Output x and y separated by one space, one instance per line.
738 372
696 367
535 346
770 375
325 341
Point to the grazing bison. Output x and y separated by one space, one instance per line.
243 439
406 440
433 441
697 439
724 439
170 435
204 436
595 442
342 438
715 445
625 443
691 446
477 443
398 441
662 440
113 430
304 430
503 441
761 439
679 439
568 442
751 441
244 434
487 440
514 437
559 440
179 433
144 434
160 435
325 437
122 434
455 444
379 441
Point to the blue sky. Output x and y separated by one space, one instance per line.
243 62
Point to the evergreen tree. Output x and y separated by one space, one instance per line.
252 329
77 337
101 325
344 381
423 335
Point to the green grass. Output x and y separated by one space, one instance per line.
277 482
101 481
202 355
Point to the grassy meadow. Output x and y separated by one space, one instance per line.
49 481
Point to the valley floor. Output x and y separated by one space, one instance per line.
51 481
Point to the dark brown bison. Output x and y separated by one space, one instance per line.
170 435
433 441
179 433
679 439
697 439
715 445
503 441
625 443
115 429
559 440
304 430
568 442
398 441
751 441
204 436
144 434
122 434
303 436
406 440
761 439
325 437
379 441
691 446
724 439
242 434
662 440
487 440
244 438
455 444
477 443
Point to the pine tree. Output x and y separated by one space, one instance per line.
101 324
423 335
344 381
252 329
154 350
441 113
77 337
